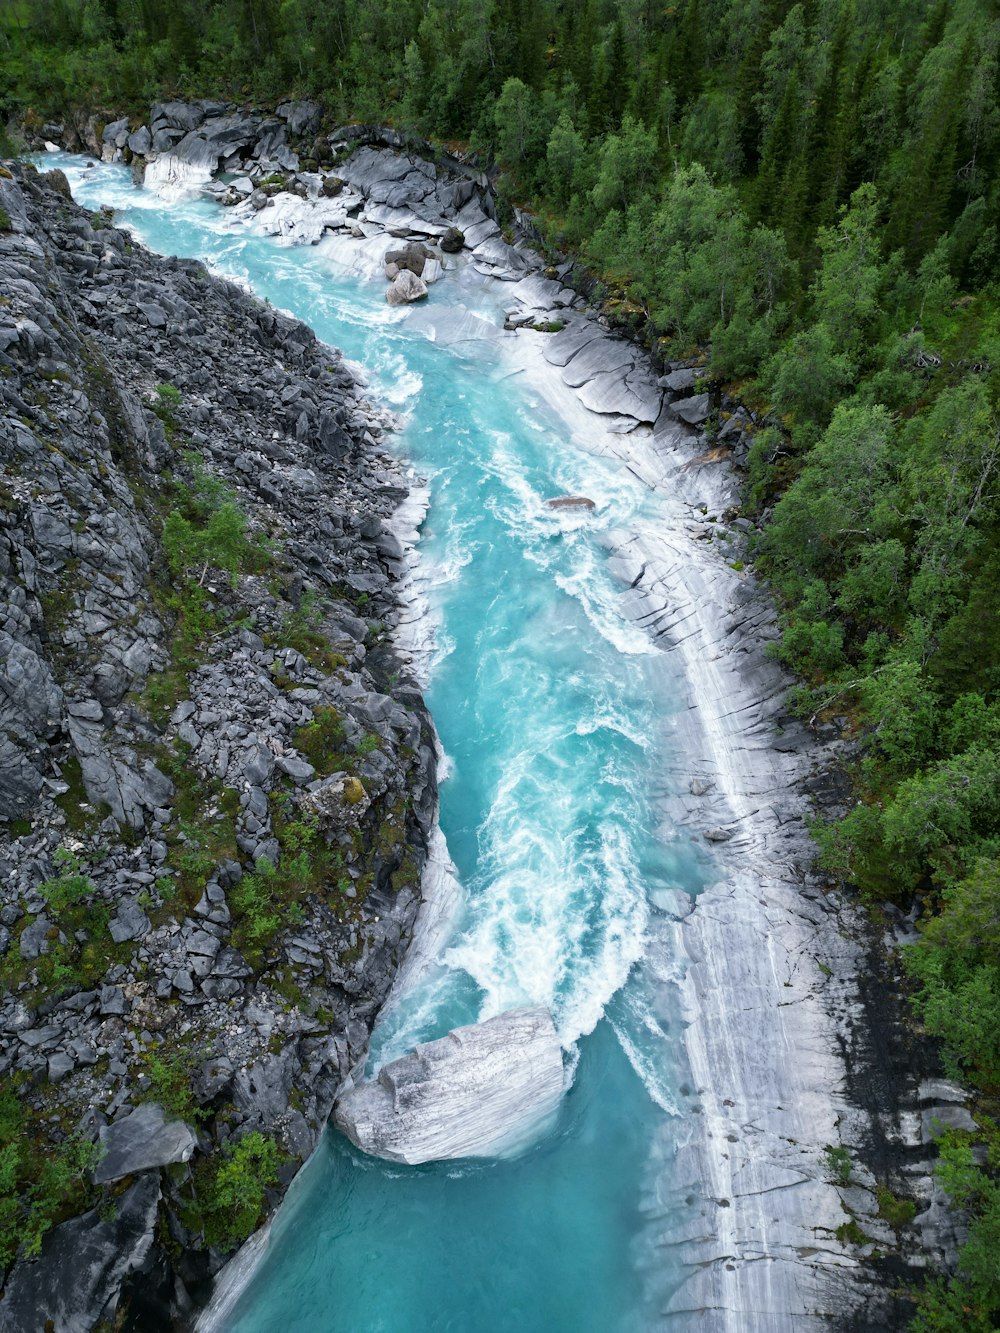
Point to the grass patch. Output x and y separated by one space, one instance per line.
897 1212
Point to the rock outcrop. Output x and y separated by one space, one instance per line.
216 780
477 1092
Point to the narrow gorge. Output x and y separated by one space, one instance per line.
239 567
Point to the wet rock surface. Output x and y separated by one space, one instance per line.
216 785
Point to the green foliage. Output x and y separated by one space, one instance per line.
169 1073
897 1212
323 741
256 903
168 397
221 542
70 887
233 1199
40 1182
302 629
5 223
971 1299
206 530
957 965
838 1161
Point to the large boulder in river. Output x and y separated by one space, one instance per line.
478 1092
405 287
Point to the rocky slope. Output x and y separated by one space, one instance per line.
216 779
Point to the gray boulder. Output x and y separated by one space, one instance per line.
176 116
406 287
35 938
131 922
141 142
30 699
20 780
116 134
678 380
142 1140
693 410
477 1092
301 117
412 257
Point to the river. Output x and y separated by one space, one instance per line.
554 712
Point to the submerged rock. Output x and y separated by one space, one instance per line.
473 1093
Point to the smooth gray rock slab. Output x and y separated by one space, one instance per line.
598 357
679 380
693 410
82 1265
142 1140
474 1093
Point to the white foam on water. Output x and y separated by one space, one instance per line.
648 1064
607 716
414 1003
554 920
400 388
601 606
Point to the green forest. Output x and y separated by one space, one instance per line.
806 197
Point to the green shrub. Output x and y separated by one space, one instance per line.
39 1182
255 902
323 740
234 1199
69 887
838 1161
969 1302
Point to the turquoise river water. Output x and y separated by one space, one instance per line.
554 717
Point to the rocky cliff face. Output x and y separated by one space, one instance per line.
216 780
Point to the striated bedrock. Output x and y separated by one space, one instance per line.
477 1092
217 779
